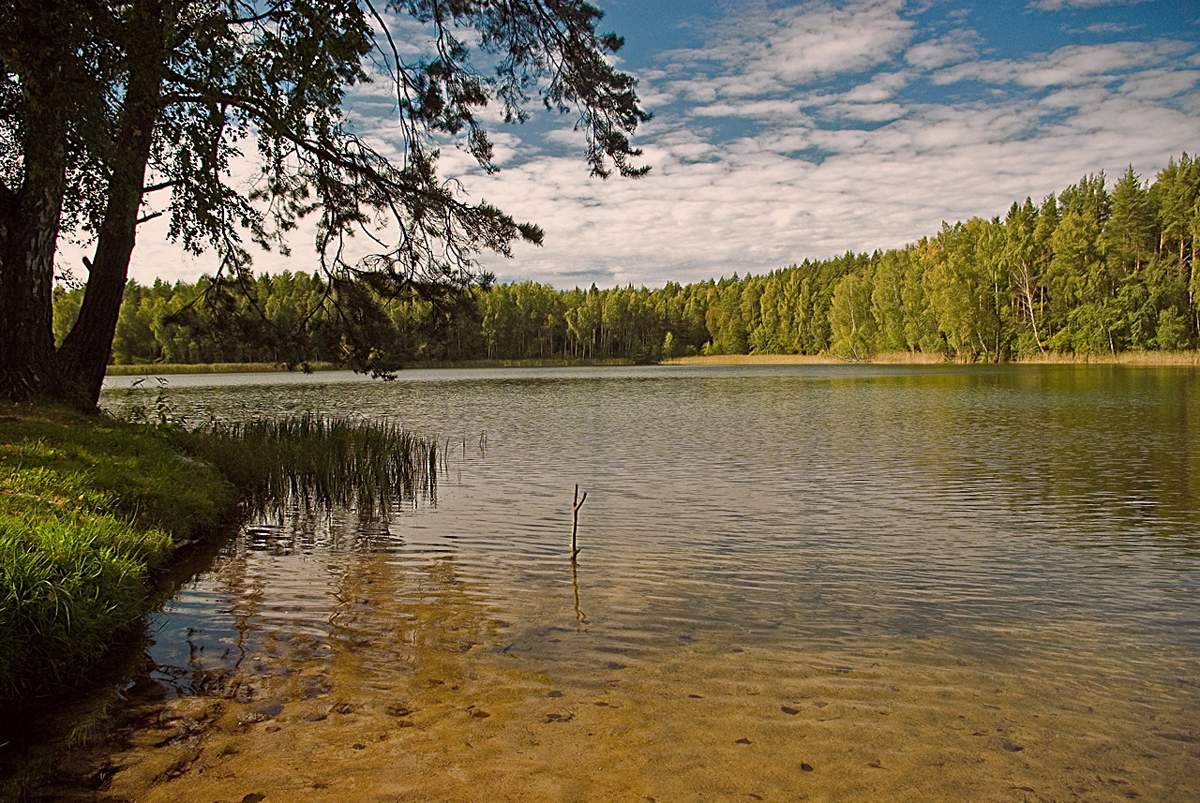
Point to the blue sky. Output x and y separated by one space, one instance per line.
792 130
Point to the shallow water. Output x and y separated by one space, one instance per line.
811 581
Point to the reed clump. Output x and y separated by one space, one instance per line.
322 462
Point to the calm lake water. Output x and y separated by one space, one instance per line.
827 581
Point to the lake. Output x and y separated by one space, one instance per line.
914 582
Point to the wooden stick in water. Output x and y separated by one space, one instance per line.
575 520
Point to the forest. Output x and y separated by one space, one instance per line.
1090 269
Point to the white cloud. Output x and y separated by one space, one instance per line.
1104 27
766 108
1073 64
880 88
1060 5
1155 84
867 112
952 48
763 48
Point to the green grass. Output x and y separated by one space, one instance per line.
92 508
89 509
162 368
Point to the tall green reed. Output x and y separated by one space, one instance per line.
322 461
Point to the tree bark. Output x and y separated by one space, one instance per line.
29 225
83 358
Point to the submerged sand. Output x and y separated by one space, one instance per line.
433 705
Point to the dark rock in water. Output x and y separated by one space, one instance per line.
1011 746
398 710
315 687
787 709
555 693
253 797
875 765
315 716
267 709
743 740
272 729
695 697
479 713
358 746
614 665
567 717
805 767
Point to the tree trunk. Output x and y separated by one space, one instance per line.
83 358
29 224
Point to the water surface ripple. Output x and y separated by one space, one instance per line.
1045 514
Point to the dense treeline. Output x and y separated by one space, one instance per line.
1088 270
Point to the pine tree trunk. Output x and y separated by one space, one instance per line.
83 358
29 224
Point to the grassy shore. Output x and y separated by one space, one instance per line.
90 509
93 513
909 358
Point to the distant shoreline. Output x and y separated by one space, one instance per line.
166 369
1188 358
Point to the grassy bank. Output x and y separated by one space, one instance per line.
89 509
92 514
164 368
92 508
909 358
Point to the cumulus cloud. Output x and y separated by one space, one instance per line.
763 48
1073 64
952 48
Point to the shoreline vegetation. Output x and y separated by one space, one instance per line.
1148 358
157 369
166 369
94 511
1187 358
100 518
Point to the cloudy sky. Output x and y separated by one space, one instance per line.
792 130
